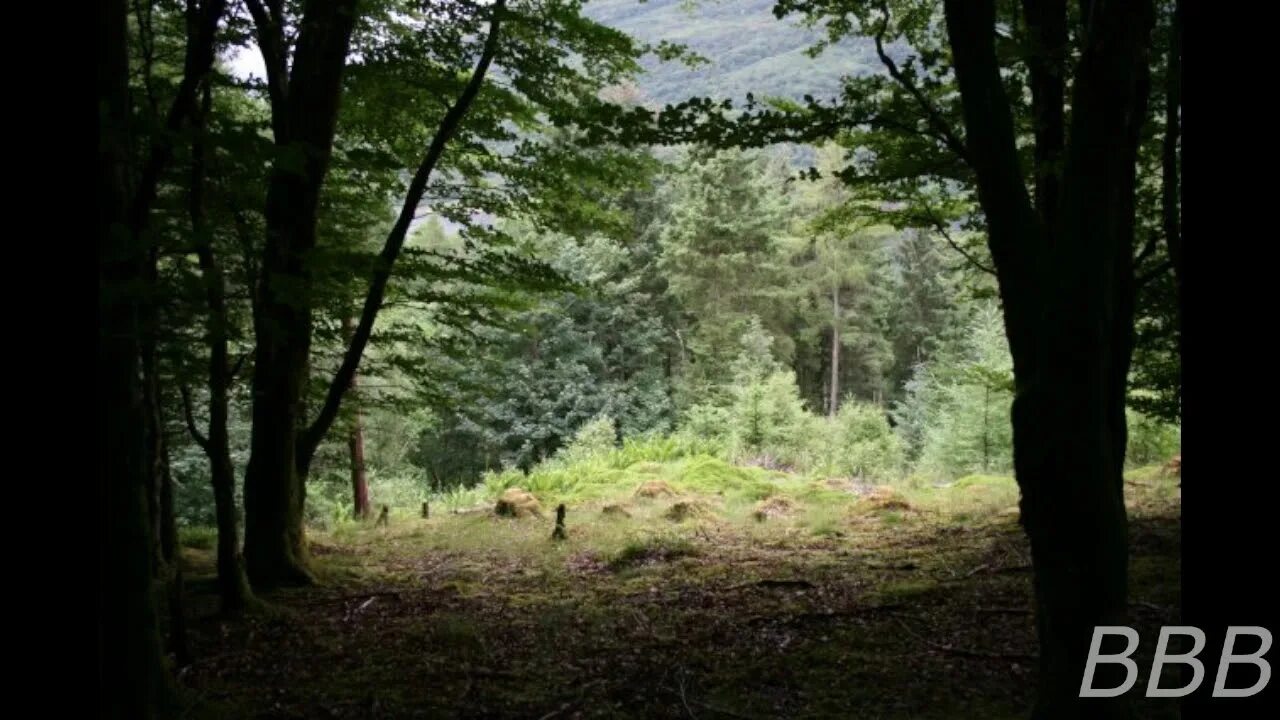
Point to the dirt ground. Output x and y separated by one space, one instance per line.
891 613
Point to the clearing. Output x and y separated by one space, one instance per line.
741 593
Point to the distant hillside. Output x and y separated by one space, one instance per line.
750 50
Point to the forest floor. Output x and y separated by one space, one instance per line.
908 604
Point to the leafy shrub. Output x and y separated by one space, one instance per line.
768 418
593 440
1151 440
866 445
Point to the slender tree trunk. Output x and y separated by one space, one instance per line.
178 644
233 587
304 120
132 681
355 442
1170 193
833 404
1066 281
152 430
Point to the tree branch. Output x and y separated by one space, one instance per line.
311 438
202 23
239 364
1014 234
1148 249
940 126
271 43
1046 62
187 415
1154 273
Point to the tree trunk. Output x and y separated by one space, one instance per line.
178 644
133 680
152 429
355 442
1066 281
304 121
834 403
1170 194
233 587
363 330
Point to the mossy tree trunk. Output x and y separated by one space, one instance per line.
355 440
233 587
133 680
304 108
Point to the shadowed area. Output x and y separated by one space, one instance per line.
915 608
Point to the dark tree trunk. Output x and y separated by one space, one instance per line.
178 644
1066 281
133 680
233 587
355 442
152 430
304 120
1170 193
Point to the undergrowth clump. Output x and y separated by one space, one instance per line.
651 549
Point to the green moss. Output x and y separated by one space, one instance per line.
198 537
657 548
984 481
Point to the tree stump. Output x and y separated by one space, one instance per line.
426 511
559 533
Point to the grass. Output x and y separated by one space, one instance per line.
835 607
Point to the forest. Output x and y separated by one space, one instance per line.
681 358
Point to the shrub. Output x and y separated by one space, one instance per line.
1151 440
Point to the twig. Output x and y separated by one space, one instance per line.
772 583
967 653
358 596
563 708
1152 606
890 607
722 711
1004 611
985 567
683 699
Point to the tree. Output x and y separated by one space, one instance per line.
841 266
722 257
923 314
1064 261
1062 252
135 681
550 61
233 586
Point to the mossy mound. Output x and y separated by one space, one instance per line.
650 551
884 498
615 511
682 511
517 503
655 488
774 507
